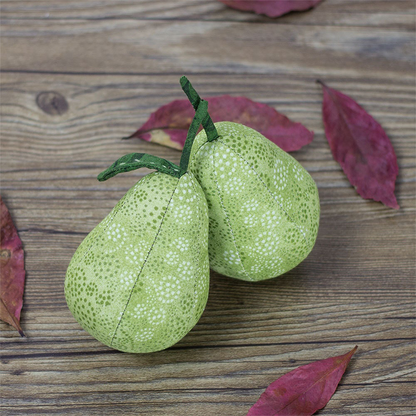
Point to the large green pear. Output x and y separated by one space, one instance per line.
139 281
263 205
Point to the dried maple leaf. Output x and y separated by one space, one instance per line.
169 124
271 8
361 146
304 390
12 271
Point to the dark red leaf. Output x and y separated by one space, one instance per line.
12 271
361 146
271 8
304 390
170 123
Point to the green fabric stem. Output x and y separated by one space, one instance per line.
135 161
200 115
195 100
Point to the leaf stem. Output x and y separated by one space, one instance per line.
201 113
195 100
134 161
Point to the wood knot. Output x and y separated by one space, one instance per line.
51 102
17 372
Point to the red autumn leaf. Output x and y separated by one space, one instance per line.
304 390
361 146
271 8
12 272
169 124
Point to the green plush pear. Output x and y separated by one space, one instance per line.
263 205
139 281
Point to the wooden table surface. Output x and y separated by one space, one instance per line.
115 62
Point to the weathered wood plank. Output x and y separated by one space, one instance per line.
231 376
366 13
205 46
101 110
280 323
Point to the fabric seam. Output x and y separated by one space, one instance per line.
199 251
268 190
228 220
144 263
197 151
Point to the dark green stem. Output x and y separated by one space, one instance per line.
200 115
135 161
195 100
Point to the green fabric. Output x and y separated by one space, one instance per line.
195 100
139 281
200 114
135 161
263 205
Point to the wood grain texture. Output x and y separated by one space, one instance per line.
79 75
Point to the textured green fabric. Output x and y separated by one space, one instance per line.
139 281
196 100
263 205
134 161
200 114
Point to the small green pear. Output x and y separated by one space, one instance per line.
263 205
139 281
